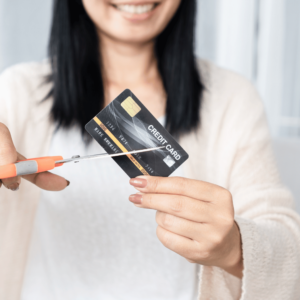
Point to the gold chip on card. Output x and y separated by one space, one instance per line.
130 106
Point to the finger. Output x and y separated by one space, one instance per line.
179 244
180 226
46 180
196 189
180 206
12 183
211 235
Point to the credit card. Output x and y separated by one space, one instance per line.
126 125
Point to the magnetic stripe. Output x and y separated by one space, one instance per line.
116 141
26 167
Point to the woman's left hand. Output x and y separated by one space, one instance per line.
195 219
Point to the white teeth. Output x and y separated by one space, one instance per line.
136 9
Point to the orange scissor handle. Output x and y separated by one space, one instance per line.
29 166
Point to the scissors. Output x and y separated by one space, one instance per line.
43 164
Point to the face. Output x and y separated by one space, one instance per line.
134 21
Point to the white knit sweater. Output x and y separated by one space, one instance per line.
231 148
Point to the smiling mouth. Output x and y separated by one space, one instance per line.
136 9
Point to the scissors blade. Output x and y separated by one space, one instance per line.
77 158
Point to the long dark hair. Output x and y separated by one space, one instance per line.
78 89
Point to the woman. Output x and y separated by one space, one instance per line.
87 242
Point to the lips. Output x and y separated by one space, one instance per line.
136 9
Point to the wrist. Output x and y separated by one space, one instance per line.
234 261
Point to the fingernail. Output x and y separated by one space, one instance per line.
136 198
68 182
14 187
138 182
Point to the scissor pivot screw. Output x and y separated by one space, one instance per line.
76 156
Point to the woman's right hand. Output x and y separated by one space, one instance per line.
9 154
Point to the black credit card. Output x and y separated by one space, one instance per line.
126 125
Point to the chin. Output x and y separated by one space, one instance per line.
128 33
139 38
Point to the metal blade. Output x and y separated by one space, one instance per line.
77 158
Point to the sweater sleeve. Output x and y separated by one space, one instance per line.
264 209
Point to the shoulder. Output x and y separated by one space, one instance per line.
229 99
215 78
225 88
231 106
22 89
25 75
231 118
25 82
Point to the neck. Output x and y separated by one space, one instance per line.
127 63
